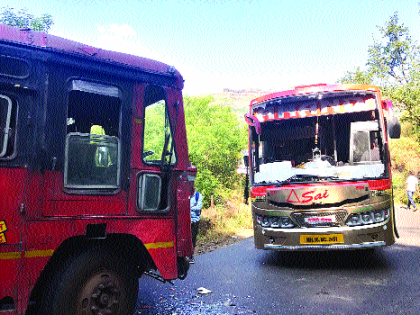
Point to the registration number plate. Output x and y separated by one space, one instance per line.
322 239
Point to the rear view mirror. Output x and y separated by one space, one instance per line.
149 188
393 127
254 122
246 157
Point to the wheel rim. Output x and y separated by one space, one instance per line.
101 295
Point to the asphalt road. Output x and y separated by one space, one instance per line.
243 280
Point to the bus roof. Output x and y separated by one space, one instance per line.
43 40
313 89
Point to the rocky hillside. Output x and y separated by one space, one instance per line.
238 100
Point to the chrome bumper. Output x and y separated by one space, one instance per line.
324 247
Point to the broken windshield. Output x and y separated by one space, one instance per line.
301 146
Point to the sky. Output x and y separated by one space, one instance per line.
216 44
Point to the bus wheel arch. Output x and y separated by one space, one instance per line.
122 247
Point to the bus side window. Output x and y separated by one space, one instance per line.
92 159
8 113
157 129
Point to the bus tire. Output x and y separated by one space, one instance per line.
96 281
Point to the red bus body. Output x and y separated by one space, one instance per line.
320 171
48 209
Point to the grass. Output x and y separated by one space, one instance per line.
222 224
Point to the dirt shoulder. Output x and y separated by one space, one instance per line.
206 247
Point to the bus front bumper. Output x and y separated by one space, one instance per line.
325 247
348 238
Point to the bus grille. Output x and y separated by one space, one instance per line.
302 219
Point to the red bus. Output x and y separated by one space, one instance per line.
94 174
320 170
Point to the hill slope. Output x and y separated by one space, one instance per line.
238 100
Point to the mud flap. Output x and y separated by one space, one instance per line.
393 215
183 266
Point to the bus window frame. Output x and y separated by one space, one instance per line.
100 89
7 124
167 119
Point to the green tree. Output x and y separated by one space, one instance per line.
407 98
357 77
23 19
394 64
215 139
394 59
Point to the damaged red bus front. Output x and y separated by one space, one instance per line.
95 176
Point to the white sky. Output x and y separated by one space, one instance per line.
216 44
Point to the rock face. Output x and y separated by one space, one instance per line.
238 100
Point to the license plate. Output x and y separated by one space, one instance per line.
322 239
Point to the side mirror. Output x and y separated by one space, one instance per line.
253 121
393 127
149 187
246 161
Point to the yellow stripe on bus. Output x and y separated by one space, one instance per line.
49 252
12 255
28 254
159 245
39 253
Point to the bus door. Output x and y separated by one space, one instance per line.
153 192
154 181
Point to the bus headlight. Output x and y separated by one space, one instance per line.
354 219
274 221
378 216
265 222
286 223
368 217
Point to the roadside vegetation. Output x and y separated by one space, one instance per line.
405 156
215 140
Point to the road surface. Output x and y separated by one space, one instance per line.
243 280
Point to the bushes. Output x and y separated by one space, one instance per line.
224 220
215 139
405 156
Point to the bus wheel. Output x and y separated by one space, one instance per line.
93 282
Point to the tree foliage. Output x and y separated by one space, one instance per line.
394 64
407 98
215 139
393 59
357 77
23 19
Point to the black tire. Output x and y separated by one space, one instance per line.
94 282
